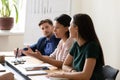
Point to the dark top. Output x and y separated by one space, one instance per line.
88 50
45 46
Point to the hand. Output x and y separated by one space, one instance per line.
7 76
60 75
30 52
73 70
19 52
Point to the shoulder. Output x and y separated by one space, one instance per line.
41 39
75 45
74 48
60 43
92 49
92 44
54 38
70 41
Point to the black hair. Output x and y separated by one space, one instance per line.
64 19
86 29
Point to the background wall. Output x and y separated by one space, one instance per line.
9 43
106 18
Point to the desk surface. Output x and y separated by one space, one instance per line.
30 61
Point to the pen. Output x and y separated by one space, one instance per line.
17 52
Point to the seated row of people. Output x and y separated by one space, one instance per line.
78 52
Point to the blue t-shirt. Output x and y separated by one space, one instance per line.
45 46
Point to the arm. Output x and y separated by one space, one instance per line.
86 73
46 59
83 75
51 61
33 47
68 63
40 42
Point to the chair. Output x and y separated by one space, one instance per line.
109 72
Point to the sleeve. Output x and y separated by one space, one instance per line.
72 49
34 47
39 42
92 51
67 49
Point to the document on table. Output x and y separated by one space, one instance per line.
46 78
32 73
34 67
40 78
25 69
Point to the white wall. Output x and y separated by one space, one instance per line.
9 43
37 10
106 18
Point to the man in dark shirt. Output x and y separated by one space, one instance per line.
47 44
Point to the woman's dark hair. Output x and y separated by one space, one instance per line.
45 21
64 19
86 29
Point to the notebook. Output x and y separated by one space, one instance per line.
36 68
32 73
46 78
30 70
40 77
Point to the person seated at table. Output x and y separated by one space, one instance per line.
61 26
47 44
7 76
85 60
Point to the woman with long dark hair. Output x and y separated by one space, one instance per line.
85 60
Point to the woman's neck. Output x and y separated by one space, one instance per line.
81 41
64 39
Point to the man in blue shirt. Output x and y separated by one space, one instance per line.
47 44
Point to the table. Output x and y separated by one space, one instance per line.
18 70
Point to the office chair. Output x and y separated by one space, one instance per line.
109 72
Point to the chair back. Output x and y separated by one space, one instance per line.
109 72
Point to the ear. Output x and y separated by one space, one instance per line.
76 28
66 28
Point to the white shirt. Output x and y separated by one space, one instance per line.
62 49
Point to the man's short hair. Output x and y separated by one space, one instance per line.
45 21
